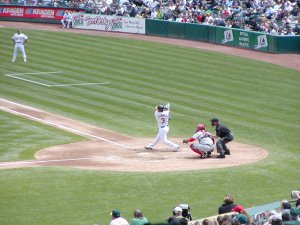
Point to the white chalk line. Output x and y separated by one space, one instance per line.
83 84
62 127
108 158
35 73
16 76
27 80
37 110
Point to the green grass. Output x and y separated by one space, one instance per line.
258 101
22 138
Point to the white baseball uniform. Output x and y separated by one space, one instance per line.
19 39
162 119
66 20
205 141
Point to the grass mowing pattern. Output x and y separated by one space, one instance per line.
258 101
22 137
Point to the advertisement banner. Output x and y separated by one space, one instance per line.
109 23
34 12
242 39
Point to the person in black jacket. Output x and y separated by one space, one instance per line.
224 136
228 204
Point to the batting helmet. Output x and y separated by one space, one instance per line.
160 108
200 126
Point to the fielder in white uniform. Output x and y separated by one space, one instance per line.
206 142
162 116
19 40
66 20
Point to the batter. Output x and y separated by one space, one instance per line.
162 116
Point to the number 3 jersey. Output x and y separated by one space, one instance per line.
162 118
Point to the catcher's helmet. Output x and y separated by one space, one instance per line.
200 126
160 108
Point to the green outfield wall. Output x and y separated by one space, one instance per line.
224 36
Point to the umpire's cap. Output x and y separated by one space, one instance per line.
214 120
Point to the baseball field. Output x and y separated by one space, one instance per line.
114 84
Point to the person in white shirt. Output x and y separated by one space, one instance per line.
116 218
162 116
19 40
66 20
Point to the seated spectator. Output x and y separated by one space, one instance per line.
277 219
206 222
294 217
138 219
241 219
228 204
220 220
116 218
177 216
238 209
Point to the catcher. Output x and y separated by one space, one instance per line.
206 142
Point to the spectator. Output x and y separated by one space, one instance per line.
294 217
206 222
116 218
238 209
241 219
277 219
177 216
139 218
228 204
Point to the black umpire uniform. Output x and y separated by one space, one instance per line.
225 136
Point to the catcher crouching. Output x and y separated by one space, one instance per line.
205 146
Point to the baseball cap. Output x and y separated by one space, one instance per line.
238 209
115 213
214 120
241 218
177 209
294 212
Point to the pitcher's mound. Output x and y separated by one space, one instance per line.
100 155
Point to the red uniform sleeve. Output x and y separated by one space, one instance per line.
191 139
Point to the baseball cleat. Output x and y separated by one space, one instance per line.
176 149
148 148
221 156
227 152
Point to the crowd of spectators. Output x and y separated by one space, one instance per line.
229 212
277 17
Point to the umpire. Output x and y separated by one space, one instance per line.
224 136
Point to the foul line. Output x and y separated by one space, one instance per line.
15 75
35 109
62 127
36 73
53 160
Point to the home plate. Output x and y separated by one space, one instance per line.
144 153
